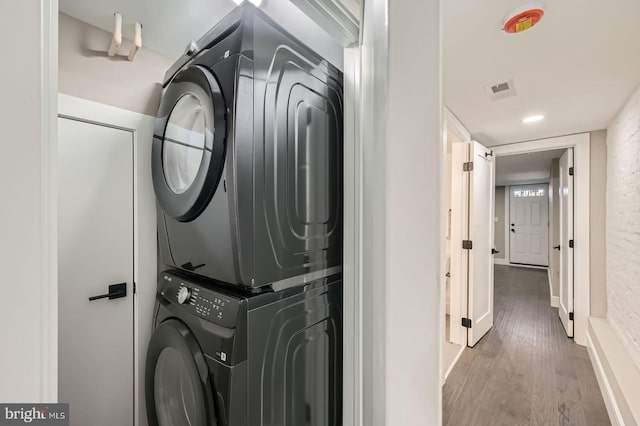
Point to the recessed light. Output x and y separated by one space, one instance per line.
533 119
256 3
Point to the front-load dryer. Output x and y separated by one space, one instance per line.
247 157
226 357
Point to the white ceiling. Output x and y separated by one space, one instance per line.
525 168
168 25
576 67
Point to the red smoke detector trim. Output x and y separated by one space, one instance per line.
518 23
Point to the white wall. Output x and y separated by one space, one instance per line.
623 225
598 178
88 73
403 214
28 363
414 274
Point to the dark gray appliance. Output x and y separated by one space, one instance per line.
220 356
247 156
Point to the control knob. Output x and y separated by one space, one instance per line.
184 295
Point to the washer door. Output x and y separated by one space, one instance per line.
178 386
189 143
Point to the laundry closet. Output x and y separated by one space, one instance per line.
200 216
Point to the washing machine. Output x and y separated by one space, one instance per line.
224 357
247 157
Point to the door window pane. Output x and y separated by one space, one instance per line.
519 193
184 142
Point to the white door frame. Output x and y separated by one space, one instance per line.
388 362
144 221
49 201
582 158
507 209
352 282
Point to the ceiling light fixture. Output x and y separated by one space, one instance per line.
533 119
256 3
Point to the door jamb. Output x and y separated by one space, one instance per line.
582 156
352 276
49 202
144 238
507 218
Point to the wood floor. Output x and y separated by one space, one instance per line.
525 371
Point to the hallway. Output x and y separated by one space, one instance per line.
525 371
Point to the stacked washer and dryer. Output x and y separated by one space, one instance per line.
247 170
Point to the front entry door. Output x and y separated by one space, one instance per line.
565 310
481 214
529 224
95 249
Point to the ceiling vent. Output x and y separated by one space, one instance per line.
503 90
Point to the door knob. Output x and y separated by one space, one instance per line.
557 247
116 291
494 251
513 230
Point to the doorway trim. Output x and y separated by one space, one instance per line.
507 245
581 143
144 206
48 357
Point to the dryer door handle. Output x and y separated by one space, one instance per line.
116 291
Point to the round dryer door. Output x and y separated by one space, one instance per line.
178 387
189 143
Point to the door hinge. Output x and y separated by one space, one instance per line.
467 167
466 322
571 171
570 316
134 288
570 243
467 244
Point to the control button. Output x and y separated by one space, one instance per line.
184 294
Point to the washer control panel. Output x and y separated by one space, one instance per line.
211 305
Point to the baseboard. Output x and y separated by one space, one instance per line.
617 374
500 261
553 300
455 361
605 387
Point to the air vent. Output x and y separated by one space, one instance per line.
502 90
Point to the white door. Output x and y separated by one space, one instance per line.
529 224
481 222
459 224
95 245
566 242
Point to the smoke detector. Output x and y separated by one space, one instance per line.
502 90
524 17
